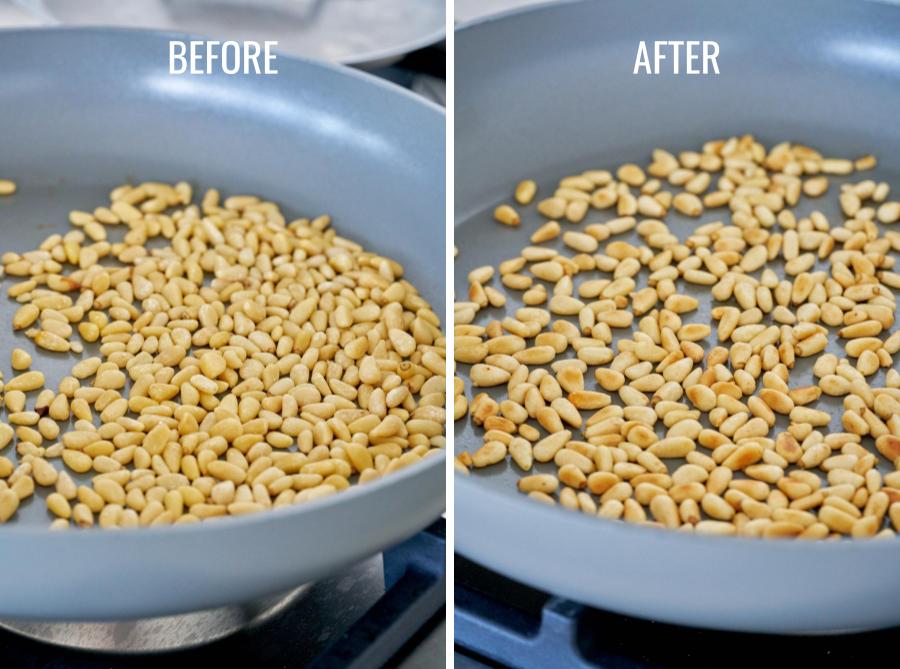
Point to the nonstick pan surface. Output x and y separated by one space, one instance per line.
84 110
550 92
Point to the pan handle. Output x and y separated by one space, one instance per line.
38 10
307 10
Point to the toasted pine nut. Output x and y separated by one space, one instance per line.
759 478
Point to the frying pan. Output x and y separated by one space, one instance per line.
84 109
550 92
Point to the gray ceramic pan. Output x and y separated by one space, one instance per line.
550 92
363 33
81 110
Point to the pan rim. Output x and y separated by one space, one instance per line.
549 516
235 522
512 11
350 496
547 4
333 67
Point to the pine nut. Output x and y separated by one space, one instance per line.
253 360
20 359
507 215
525 192
490 454
688 204
553 207
483 375
26 382
9 503
755 482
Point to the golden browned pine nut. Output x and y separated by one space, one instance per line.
484 375
746 475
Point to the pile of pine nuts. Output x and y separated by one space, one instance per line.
245 363
692 441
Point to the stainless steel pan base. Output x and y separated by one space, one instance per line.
152 635
350 594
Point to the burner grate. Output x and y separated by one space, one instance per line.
502 623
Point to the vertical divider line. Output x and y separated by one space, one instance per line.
448 319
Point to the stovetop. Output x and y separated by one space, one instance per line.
372 615
502 623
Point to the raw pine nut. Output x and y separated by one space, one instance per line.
51 342
549 230
553 207
525 191
26 382
25 316
507 215
580 242
274 356
889 212
20 360
59 506
688 204
631 174
9 503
